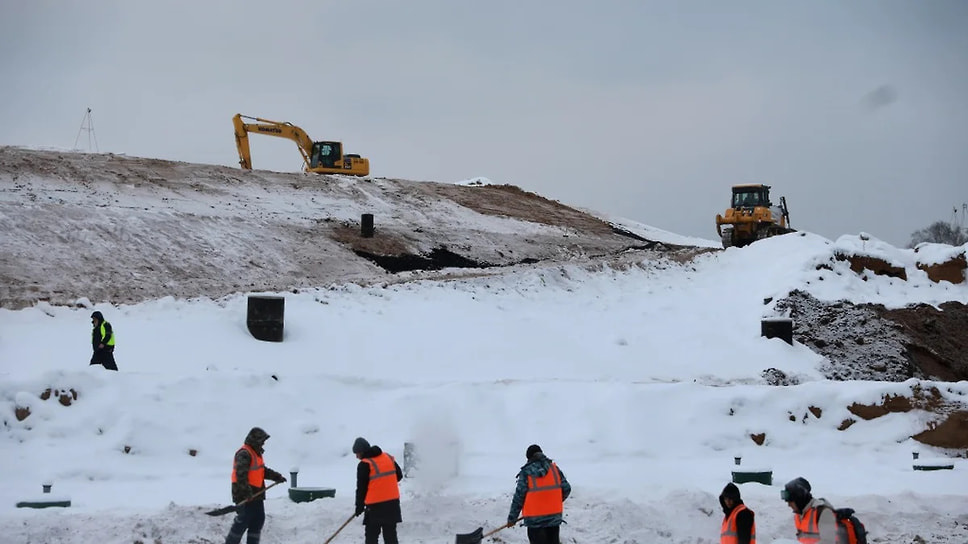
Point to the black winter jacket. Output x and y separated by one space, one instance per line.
381 513
744 519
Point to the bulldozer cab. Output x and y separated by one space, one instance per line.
327 155
751 196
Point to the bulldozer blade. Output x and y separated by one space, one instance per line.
471 538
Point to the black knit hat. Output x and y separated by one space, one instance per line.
98 315
360 445
532 449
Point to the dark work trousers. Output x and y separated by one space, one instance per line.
104 357
372 533
251 517
544 535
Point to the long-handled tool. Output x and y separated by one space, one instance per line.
345 523
477 536
226 509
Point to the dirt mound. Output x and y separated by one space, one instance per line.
870 342
124 229
937 338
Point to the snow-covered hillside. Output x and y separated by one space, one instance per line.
128 229
641 374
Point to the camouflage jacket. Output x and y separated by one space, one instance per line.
241 489
537 467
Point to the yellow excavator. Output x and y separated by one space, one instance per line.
320 157
752 216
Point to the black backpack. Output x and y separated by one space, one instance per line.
850 530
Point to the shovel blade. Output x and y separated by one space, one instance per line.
471 538
222 511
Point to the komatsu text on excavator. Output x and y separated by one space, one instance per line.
320 157
751 216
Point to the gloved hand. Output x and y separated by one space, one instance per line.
511 523
280 479
359 510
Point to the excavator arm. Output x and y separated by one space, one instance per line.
269 128
325 157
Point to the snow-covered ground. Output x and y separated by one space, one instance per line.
642 383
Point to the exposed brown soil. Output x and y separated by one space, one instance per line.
937 338
949 430
951 433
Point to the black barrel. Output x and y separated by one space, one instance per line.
266 316
777 327
366 225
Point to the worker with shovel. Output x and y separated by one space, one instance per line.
541 491
249 474
377 492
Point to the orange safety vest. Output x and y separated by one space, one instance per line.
808 526
383 479
728 534
257 468
544 495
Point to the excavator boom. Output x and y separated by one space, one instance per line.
319 157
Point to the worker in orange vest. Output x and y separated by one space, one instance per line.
539 497
739 524
813 518
249 473
377 492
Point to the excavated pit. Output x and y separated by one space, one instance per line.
437 259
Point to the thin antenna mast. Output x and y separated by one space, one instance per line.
87 124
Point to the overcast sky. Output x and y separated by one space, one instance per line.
856 111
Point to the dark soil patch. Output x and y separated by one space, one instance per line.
870 342
437 259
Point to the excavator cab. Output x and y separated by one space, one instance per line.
326 155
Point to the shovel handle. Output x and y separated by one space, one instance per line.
256 494
226 509
499 528
345 523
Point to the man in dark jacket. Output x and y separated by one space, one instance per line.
739 526
249 474
539 496
377 492
102 340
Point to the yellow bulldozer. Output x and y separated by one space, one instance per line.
752 216
324 157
